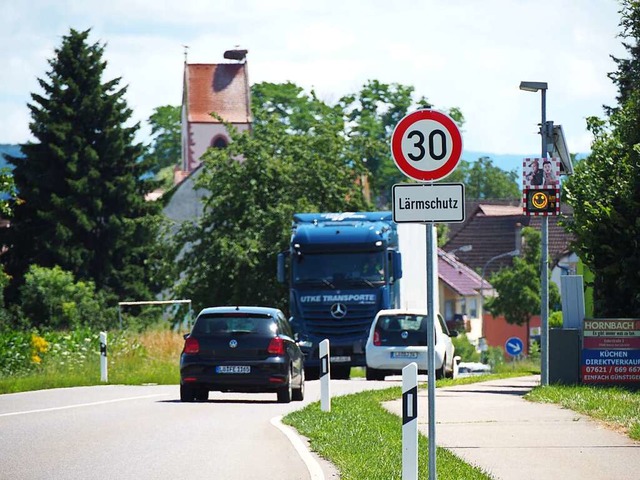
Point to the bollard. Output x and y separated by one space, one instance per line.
325 377
104 377
410 422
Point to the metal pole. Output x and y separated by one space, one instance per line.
431 354
544 294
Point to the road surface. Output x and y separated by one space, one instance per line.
144 432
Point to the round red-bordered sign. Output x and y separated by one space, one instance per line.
426 145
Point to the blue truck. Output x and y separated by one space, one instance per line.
342 268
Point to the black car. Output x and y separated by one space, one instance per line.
241 349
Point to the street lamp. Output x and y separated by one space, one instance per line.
544 274
512 253
464 248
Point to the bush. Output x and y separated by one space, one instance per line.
555 320
52 298
465 349
494 357
15 352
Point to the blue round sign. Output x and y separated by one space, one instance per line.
514 346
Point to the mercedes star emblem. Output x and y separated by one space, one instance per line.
338 310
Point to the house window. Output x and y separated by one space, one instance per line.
473 307
219 142
463 306
449 309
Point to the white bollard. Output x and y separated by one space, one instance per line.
410 422
104 377
325 377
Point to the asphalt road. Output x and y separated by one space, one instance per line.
144 432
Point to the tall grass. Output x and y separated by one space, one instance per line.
40 360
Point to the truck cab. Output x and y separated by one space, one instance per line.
342 269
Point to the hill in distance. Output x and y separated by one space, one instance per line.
506 162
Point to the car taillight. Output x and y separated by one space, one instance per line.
376 338
191 345
276 346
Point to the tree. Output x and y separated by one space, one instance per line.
294 159
605 188
371 115
81 184
483 180
519 286
165 150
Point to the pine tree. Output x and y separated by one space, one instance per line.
81 189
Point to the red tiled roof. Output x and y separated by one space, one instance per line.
494 230
221 88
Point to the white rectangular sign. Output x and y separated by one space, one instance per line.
421 203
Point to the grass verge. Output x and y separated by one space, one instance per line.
618 408
364 440
358 423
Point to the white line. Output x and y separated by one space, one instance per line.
79 405
312 465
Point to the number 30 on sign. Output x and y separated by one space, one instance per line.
426 145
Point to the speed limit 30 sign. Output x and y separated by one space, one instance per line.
426 145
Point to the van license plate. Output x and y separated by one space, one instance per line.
404 354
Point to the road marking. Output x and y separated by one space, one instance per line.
79 405
312 465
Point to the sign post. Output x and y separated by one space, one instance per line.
426 145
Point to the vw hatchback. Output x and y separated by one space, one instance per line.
399 337
241 349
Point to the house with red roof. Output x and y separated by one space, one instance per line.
460 291
493 228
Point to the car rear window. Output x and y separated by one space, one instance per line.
396 323
212 324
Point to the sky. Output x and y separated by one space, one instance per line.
469 54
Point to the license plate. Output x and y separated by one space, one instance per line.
340 359
404 354
233 369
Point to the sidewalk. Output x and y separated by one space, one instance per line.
491 426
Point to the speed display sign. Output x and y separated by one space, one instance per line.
426 145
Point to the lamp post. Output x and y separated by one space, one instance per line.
512 253
463 248
544 274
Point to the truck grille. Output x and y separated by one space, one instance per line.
355 323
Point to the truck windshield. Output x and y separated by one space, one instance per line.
332 269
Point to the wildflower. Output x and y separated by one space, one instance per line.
38 346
